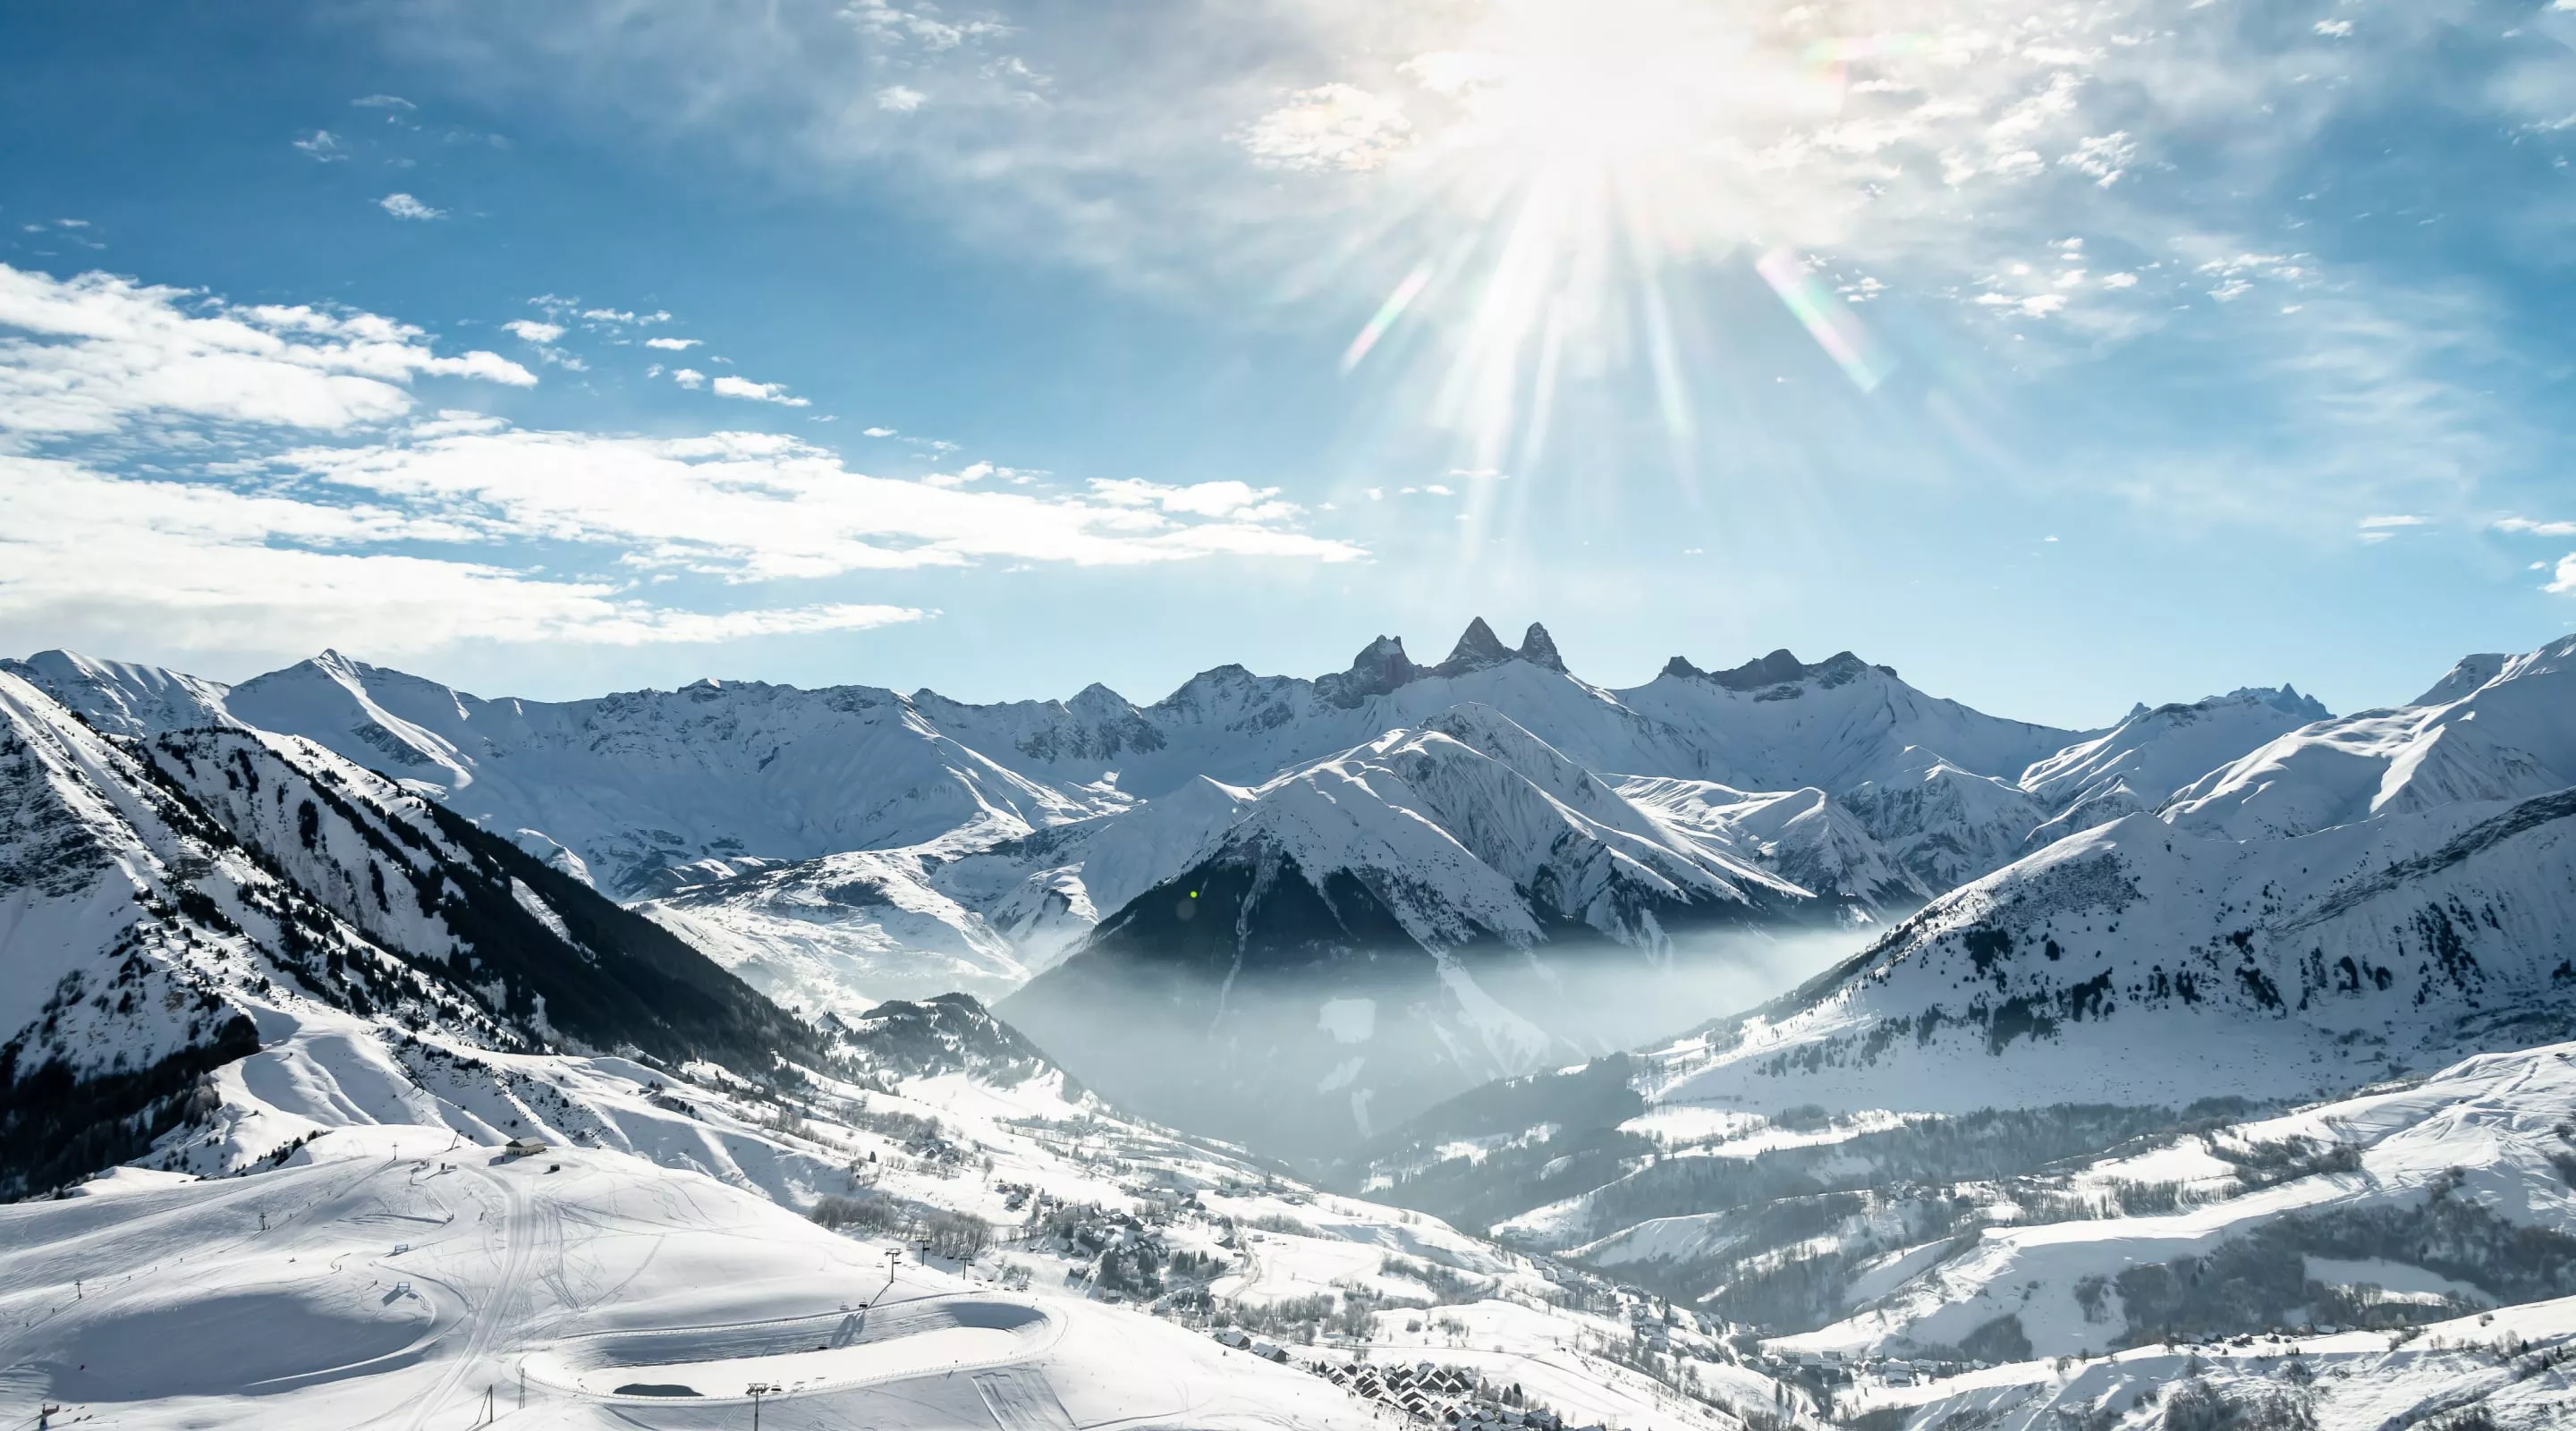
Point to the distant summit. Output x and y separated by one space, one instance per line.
1382 666
1780 668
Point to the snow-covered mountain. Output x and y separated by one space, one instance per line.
2028 1120
406 1115
844 846
166 904
2359 896
2139 763
2155 973
1440 885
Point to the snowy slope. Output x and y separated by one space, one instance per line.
2143 760
2361 894
385 1279
2494 729
2449 1189
166 904
2109 965
1463 887
630 784
1778 723
123 697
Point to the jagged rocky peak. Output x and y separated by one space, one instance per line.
1479 648
1539 649
1380 667
1780 668
2284 698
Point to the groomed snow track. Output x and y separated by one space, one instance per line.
800 1356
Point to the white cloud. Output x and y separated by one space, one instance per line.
1239 501
2565 584
88 355
1333 126
2529 527
323 145
2378 523
174 564
535 332
688 377
404 206
384 101
411 533
676 345
900 99
727 385
760 507
877 432
609 315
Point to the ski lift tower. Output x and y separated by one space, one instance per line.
755 1391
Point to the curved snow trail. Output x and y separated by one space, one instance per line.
488 1318
932 1336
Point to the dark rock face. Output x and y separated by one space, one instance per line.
1539 649
1380 667
1477 648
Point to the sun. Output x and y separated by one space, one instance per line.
1561 161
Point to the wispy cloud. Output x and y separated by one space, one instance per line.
533 331
412 532
383 101
727 385
324 145
93 354
404 206
676 345
1949 149
2529 527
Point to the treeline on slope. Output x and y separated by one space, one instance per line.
623 981
1630 1178
56 1127
1579 1110
2259 1280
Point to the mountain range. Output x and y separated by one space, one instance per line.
2232 1020
1502 841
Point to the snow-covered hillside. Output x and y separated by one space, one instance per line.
2143 760
2161 958
163 902
623 788
2495 729
408 1116
1461 891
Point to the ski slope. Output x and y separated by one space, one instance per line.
389 1277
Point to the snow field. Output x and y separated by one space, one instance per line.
394 1291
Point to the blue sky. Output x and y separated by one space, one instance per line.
2061 360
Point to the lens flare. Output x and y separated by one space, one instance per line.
1387 312
1827 319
